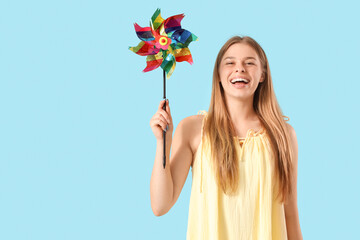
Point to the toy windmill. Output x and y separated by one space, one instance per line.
164 43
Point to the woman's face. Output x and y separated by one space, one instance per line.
240 61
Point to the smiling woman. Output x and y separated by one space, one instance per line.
240 56
242 152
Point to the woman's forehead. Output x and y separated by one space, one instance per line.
240 51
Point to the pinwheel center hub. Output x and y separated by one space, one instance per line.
163 41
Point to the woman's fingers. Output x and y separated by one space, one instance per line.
163 118
168 108
162 122
166 114
159 120
161 104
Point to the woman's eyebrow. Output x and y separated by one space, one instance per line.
244 58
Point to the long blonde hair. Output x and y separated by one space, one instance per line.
222 143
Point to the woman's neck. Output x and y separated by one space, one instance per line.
241 111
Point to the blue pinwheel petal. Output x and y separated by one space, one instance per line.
183 36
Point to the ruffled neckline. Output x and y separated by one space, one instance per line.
252 133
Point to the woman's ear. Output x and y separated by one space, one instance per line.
262 77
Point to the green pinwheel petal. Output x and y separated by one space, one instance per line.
156 19
169 63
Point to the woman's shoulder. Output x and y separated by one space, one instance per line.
193 120
191 126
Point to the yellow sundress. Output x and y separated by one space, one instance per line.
252 214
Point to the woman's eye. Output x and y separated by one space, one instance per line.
229 63
250 63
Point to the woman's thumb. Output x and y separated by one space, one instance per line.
167 105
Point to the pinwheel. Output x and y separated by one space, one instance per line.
164 43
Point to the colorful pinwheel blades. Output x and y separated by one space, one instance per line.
164 43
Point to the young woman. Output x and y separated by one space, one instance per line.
242 153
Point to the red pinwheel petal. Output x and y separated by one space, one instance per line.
183 54
153 62
173 23
144 34
145 48
187 58
154 33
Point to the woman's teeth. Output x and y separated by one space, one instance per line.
239 80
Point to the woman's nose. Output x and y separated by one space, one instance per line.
240 68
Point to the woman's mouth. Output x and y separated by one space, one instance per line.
239 82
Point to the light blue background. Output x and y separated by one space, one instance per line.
76 147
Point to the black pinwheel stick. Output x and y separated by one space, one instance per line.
164 132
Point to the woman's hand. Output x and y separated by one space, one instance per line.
161 121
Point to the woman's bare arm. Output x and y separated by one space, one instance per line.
166 184
291 208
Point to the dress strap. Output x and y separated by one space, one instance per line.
202 112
